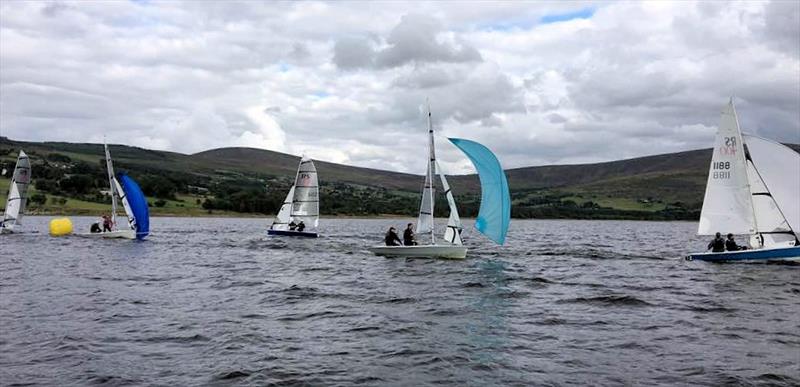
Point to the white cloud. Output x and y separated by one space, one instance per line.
347 82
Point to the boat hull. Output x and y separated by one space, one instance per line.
755 255
429 251
117 234
292 233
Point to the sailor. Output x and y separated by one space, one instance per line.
95 228
292 225
391 238
731 245
301 226
408 235
107 223
718 244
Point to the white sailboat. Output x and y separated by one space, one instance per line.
133 201
753 189
17 194
301 204
493 217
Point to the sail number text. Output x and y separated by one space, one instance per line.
721 169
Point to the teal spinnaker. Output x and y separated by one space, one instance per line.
495 211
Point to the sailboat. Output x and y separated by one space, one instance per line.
17 194
494 214
753 189
301 204
133 200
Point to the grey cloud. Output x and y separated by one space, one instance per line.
352 53
416 39
782 26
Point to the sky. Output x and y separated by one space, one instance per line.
537 82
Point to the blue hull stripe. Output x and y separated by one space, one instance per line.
749 255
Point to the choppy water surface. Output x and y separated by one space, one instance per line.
216 301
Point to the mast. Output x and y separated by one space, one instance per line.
431 172
110 169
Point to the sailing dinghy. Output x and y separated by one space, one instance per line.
17 194
300 205
124 188
753 189
493 217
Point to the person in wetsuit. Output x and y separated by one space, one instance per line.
731 245
292 226
408 236
301 226
107 223
391 238
718 244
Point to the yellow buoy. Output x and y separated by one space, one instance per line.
60 227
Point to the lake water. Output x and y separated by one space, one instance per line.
217 302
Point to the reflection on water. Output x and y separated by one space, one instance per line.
216 301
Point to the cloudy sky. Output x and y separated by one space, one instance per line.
537 82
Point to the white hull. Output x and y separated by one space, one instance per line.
429 251
118 234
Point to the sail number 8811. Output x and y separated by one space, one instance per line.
722 169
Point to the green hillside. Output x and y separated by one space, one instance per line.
236 181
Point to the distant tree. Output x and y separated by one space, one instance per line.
79 184
58 157
160 203
38 199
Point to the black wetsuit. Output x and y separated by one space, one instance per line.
392 239
408 237
301 226
95 228
731 245
717 245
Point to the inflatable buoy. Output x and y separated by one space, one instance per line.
60 227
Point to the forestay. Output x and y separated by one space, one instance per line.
727 202
18 192
494 214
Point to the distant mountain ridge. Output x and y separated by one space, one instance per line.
677 178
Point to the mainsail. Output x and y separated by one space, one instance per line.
494 214
425 223
305 203
112 187
727 200
17 193
774 174
302 201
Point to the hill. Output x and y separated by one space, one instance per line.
246 180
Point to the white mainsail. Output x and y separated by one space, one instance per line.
113 188
305 203
17 193
775 185
425 222
727 200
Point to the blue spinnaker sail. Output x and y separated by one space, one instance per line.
495 212
137 203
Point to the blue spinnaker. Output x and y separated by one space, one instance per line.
495 212
137 203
